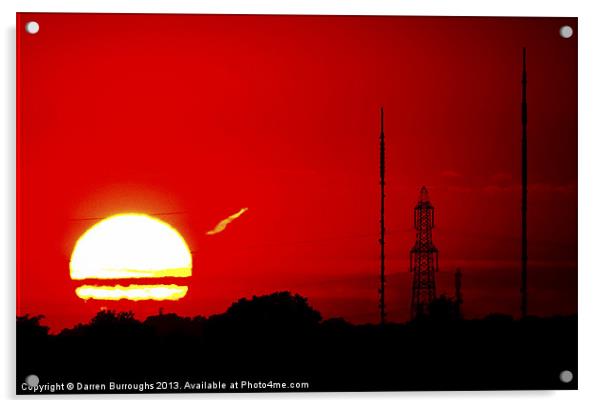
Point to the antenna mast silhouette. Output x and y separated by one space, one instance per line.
459 300
523 306
424 257
381 291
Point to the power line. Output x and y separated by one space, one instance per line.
159 214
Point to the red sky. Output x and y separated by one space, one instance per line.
205 115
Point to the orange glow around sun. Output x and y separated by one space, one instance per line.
131 246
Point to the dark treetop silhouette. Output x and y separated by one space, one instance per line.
280 337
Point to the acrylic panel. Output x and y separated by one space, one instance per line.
277 203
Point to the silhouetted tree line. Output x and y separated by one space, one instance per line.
281 337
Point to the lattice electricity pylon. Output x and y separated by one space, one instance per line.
424 257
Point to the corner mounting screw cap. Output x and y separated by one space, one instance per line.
32 380
32 27
566 31
566 376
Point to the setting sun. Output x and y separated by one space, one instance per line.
131 246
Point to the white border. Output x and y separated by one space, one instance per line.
359 7
590 182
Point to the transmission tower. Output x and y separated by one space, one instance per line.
381 240
523 289
424 257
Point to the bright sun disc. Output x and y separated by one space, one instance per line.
131 246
